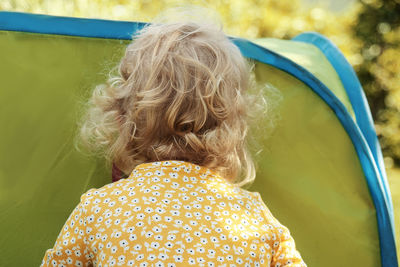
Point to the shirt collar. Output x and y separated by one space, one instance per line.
170 164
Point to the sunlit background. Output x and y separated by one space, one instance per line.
367 32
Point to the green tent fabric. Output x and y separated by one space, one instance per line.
321 172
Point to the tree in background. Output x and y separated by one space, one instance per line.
378 28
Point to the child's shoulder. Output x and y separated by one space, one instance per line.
106 191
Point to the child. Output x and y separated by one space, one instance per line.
175 120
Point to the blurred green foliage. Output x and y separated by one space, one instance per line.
378 27
368 33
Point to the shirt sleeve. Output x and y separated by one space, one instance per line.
70 248
285 252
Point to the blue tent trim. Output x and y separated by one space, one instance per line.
85 27
99 28
357 98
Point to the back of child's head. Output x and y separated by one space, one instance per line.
179 95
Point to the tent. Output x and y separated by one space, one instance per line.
322 174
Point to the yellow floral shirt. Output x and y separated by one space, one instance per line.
172 213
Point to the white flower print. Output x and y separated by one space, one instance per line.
178 258
114 249
169 245
123 243
140 257
163 256
137 208
151 257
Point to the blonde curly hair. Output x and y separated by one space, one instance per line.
179 95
